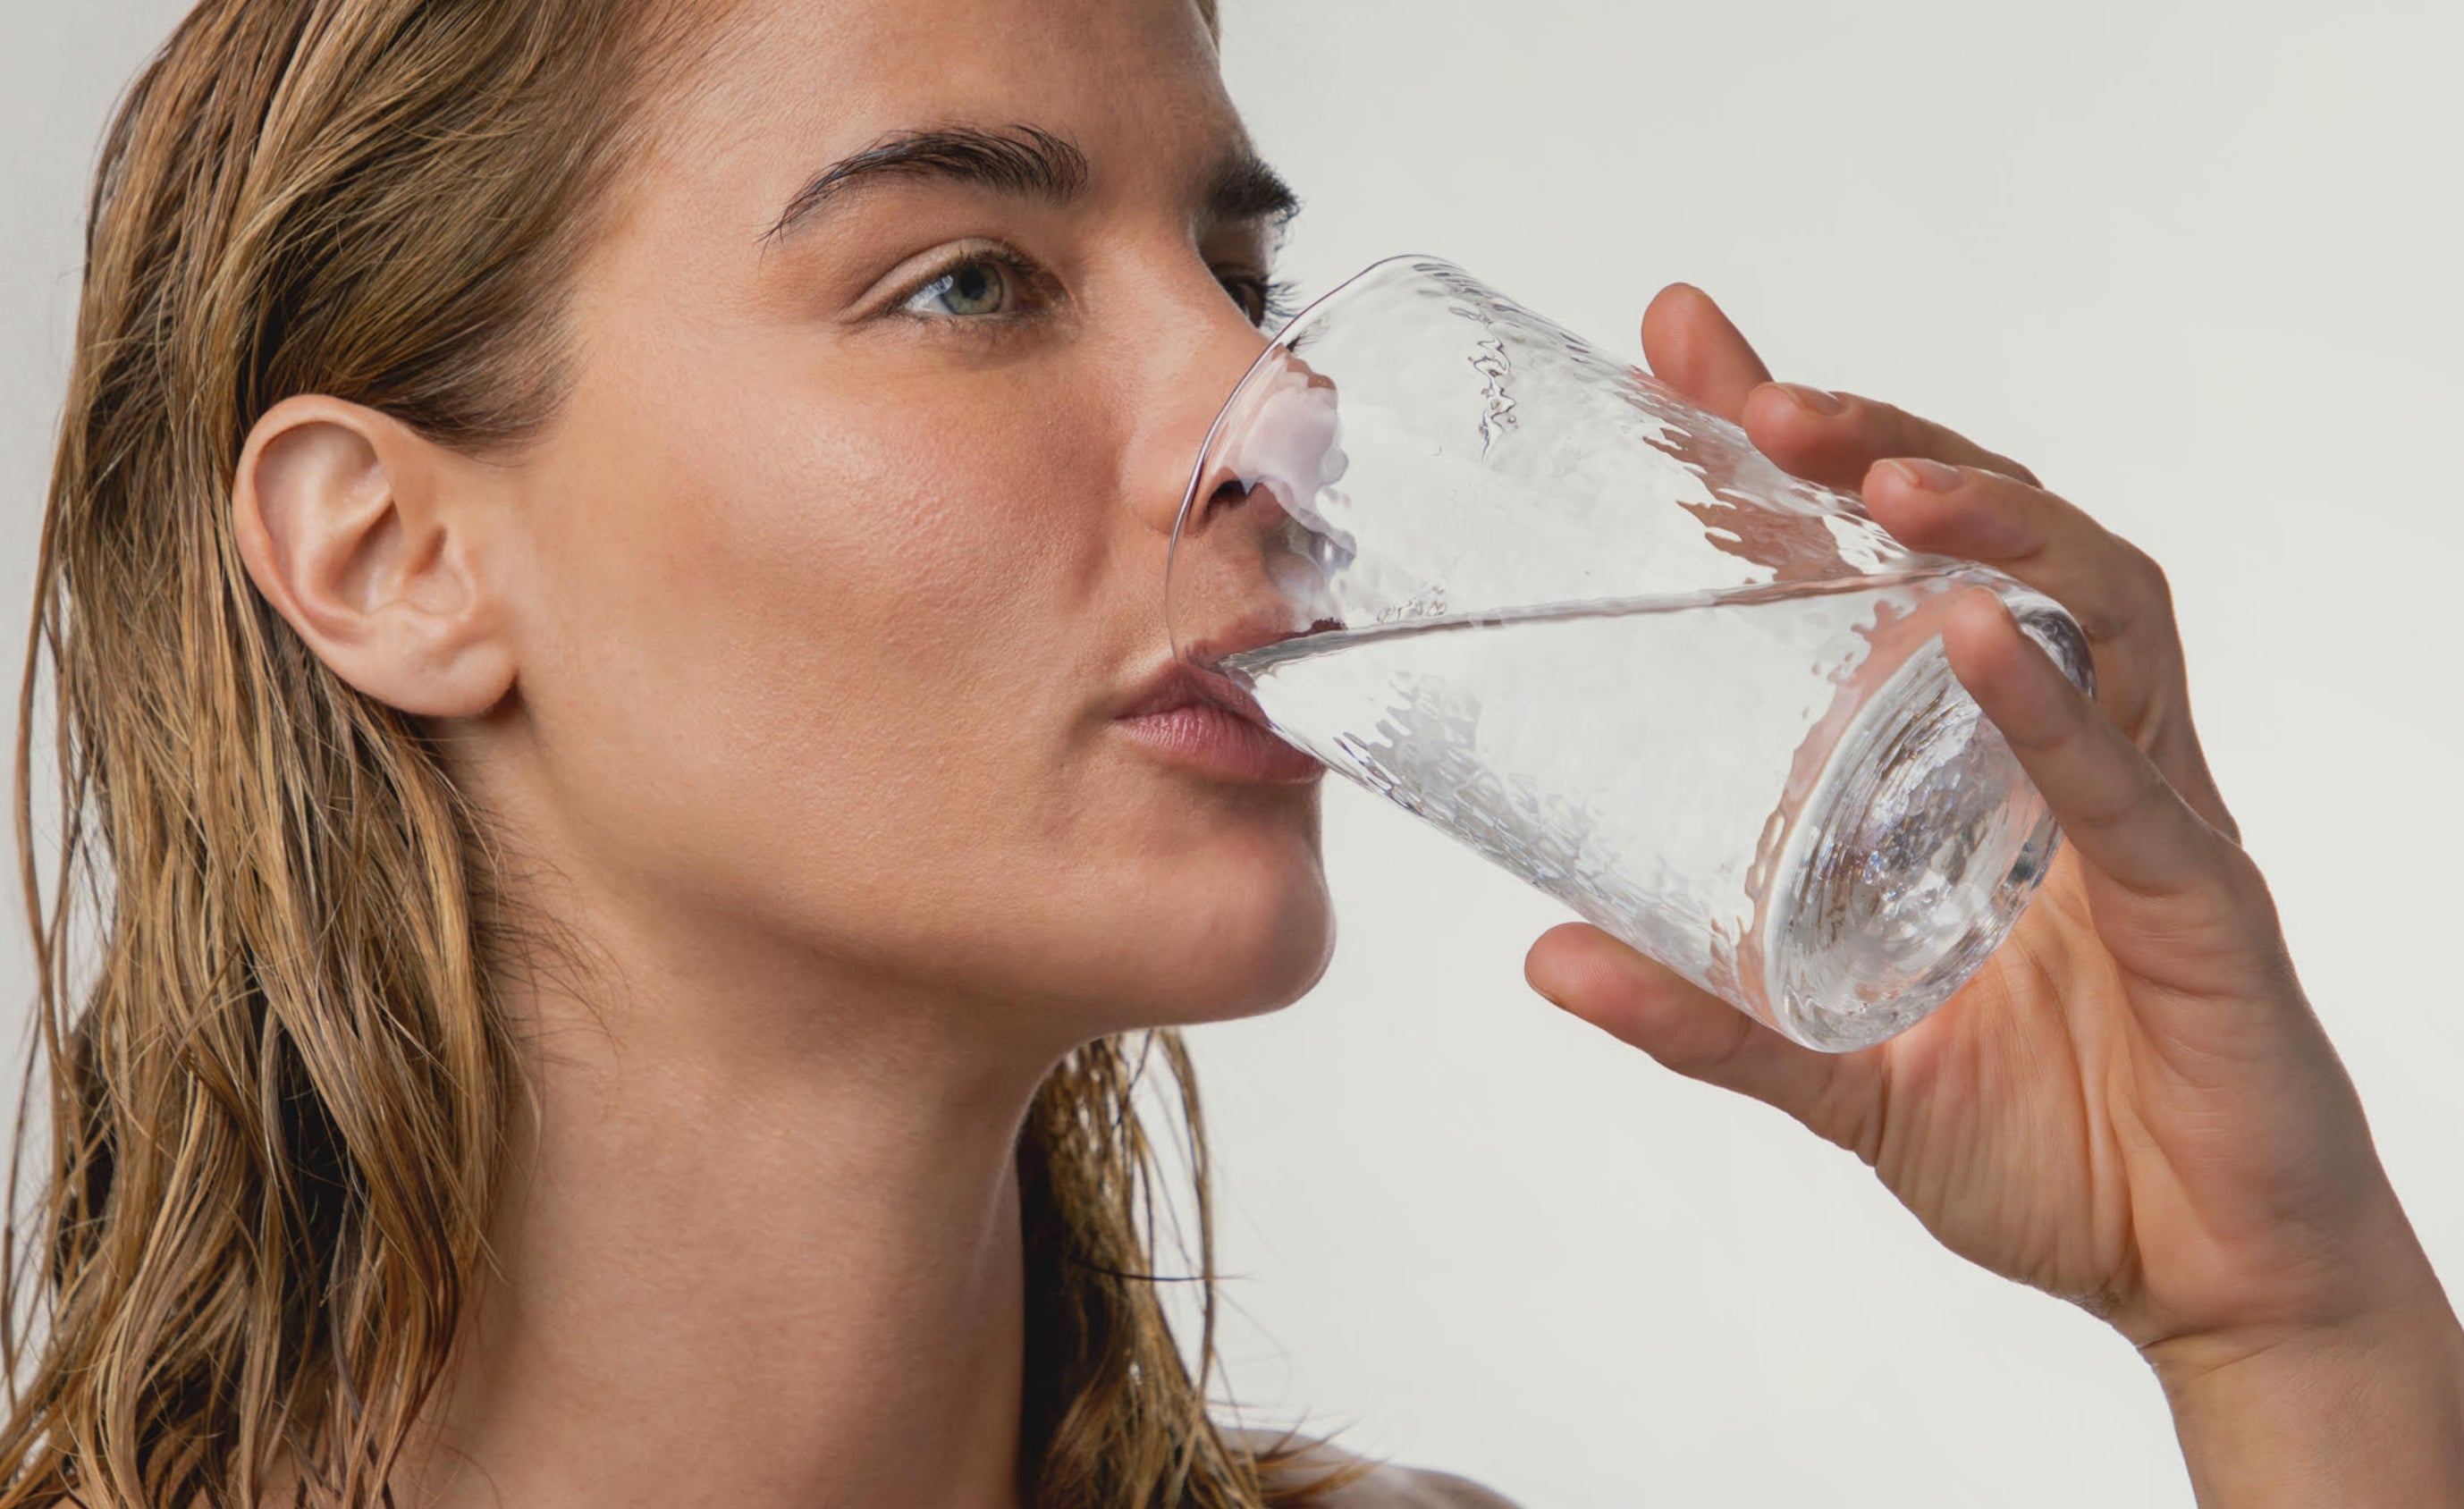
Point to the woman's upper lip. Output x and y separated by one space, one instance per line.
1183 685
1186 682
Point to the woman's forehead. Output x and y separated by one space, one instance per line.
784 91
846 59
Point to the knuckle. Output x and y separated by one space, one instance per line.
1894 430
2220 896
2147 575
2147 795
2003 465
2136 596
2057 739
2245 883
1720 1058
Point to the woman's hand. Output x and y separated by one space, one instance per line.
2132 1107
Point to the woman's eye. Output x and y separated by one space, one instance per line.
1266 301
977 289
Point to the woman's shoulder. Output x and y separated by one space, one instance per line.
1391 1487
1379 1485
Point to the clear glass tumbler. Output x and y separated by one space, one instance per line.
1527 592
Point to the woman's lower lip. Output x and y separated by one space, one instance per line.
1205 737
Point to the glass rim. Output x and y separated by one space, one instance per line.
1278 347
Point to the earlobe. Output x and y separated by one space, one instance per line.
352 531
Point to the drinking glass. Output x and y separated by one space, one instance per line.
1530 593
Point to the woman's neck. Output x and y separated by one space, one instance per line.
747 1254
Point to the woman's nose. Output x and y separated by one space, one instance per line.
1186 392
1254 558
1276 446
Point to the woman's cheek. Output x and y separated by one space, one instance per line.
980 561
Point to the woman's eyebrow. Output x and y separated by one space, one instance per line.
1022 160
1026 161
1243 187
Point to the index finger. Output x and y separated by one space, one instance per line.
1694 348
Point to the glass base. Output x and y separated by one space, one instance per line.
1915 857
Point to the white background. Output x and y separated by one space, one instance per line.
2194 262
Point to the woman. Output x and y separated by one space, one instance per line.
622 790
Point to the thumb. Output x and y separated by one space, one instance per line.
1637 1000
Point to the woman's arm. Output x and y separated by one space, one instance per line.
2133 1105
2364 1417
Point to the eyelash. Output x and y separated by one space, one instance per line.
1277 301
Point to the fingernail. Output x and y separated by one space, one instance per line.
1930 475
1813 400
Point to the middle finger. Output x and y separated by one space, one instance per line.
1832 438
2115 592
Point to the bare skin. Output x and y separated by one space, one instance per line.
803 632
799 635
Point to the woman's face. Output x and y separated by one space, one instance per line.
835 575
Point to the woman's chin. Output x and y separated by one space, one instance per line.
1237 950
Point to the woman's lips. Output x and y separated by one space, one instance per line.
1203 721
1208 738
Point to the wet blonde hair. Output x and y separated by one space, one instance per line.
278 1076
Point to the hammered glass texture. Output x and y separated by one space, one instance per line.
1529 593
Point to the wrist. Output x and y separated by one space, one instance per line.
2379 1297
2361 1415
2421 1339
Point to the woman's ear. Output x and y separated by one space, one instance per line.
354 529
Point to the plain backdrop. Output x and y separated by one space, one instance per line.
2194 262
